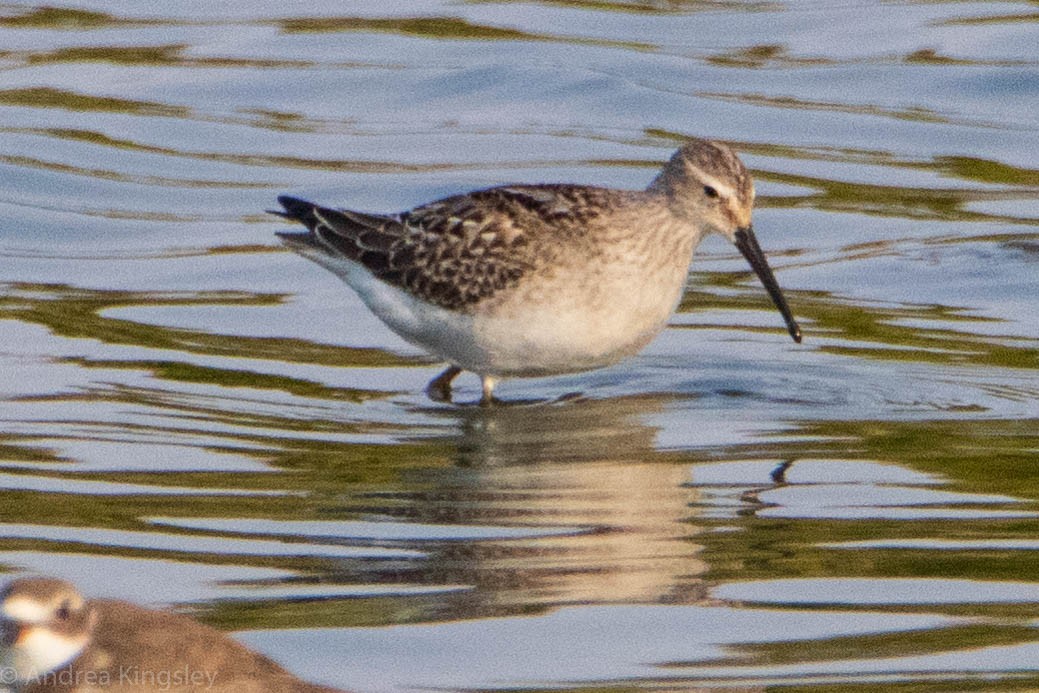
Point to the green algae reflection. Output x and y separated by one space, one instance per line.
78 314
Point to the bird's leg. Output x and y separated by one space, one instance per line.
439 388
488 391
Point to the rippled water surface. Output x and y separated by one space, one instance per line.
193 417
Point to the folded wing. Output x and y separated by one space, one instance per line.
453 253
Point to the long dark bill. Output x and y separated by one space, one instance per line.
748 245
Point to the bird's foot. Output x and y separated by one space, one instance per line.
439 388
488 399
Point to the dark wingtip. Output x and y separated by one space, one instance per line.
296 240
288 201
295 208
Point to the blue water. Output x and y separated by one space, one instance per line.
192 417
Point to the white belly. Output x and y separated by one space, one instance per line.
558 326
564 335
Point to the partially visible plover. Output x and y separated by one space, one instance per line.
52 639
531 280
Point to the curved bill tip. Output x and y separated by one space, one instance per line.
749 248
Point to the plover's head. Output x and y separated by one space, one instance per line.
709 188
44 624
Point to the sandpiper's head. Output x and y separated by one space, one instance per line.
708 187
44 624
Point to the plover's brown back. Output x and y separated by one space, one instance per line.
54 640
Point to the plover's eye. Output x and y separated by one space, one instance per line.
64 611
710 191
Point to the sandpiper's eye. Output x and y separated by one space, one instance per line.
64 611
710 191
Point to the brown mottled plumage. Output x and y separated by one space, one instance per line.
460 250
538 279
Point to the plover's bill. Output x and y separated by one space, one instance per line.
51 639
529 280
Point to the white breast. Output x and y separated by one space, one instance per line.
564 328
569 321
39 651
